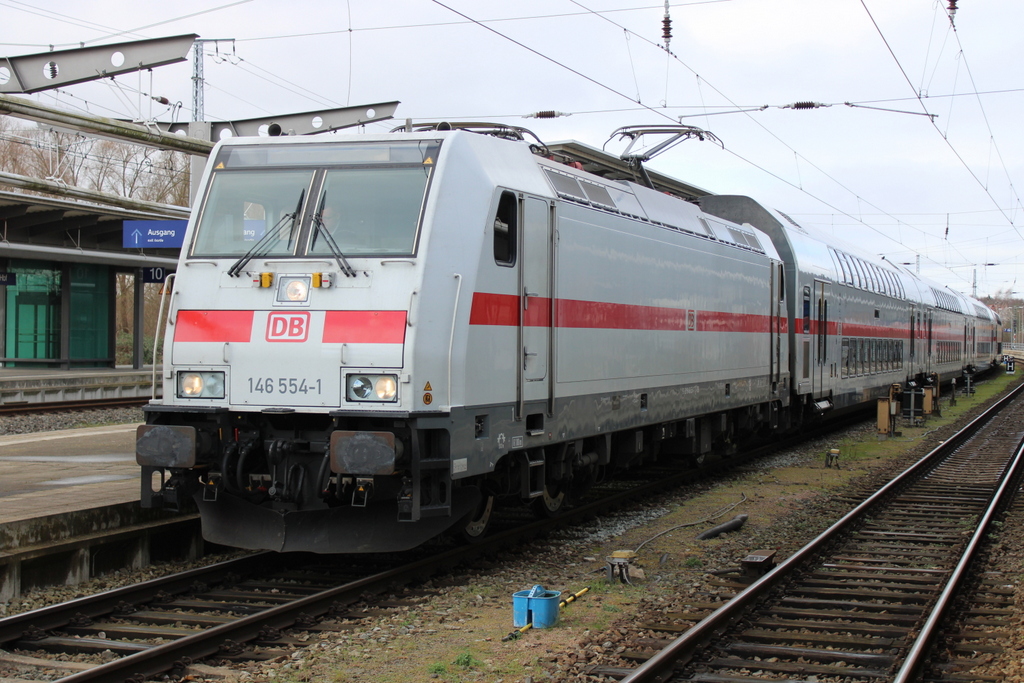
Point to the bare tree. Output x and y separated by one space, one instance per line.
139 172
125 317
13 143
117 167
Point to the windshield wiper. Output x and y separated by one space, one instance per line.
264 242
318 224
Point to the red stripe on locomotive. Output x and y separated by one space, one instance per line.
213 326
364 327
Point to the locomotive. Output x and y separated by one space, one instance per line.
372 338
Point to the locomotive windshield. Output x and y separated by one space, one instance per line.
366 196
371 211
243 205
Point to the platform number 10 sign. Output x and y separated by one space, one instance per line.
155 274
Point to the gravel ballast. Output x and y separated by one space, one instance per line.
455 633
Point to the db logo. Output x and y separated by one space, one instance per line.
287 327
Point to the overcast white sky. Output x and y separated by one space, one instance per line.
887 182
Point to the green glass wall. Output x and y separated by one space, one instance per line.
33 312
89 338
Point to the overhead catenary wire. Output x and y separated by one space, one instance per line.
708 110
944 137
51 15
732 152
649 108
784 143
441 24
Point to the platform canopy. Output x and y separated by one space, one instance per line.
34 227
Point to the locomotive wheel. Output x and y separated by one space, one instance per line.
551 502
478 521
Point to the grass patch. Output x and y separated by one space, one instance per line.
859 452
466 660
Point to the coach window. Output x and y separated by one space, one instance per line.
858 274
841 260
892 284
807 310
505 228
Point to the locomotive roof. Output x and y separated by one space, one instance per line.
611 167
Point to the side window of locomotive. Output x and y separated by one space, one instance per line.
505 229
242 206
597 194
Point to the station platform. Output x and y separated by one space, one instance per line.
69 510
68 470
45 385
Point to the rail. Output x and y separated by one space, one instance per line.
683 648
62 406
915 659
157 659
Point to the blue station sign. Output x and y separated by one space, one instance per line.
164 234
8 279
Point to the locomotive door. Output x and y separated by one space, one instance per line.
535 314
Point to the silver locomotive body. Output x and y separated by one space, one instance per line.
372 338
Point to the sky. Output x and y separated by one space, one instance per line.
926 166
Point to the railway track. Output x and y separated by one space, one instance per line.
26 408
163 625
864 601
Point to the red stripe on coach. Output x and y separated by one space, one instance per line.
503 310
603 315
364 327
213 326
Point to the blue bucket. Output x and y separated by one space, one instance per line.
536 606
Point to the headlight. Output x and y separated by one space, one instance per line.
200 385
378 388
293 289
386 388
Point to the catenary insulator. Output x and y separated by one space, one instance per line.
548 114
804 105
